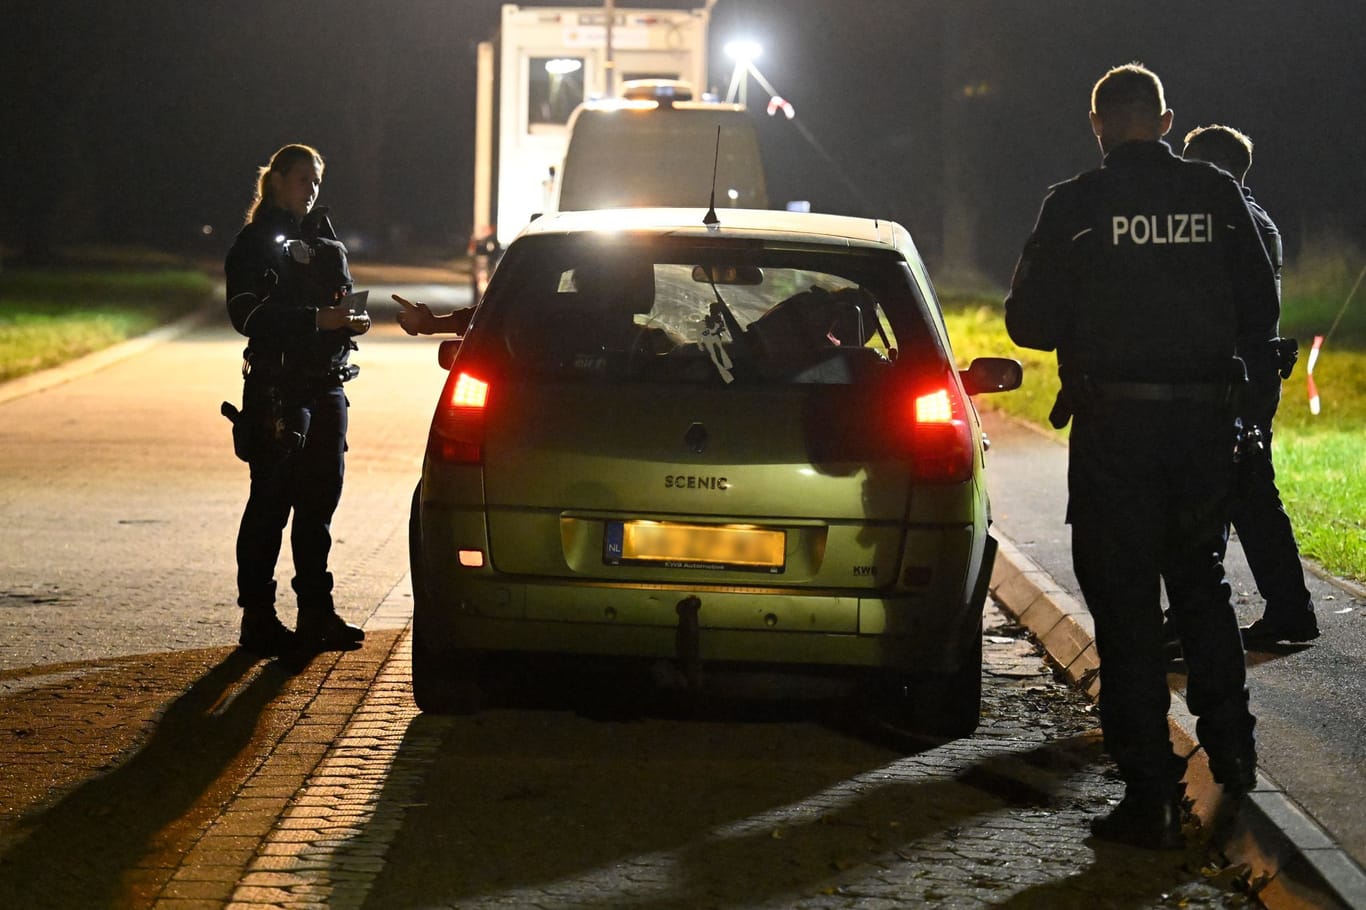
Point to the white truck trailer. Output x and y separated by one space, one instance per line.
545 63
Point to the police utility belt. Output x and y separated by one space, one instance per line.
275 425
1079 392
280 370
1193 392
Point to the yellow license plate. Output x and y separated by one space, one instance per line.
679 545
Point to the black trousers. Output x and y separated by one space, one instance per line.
306 484
1149 486
1259 517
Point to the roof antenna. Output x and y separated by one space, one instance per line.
710 219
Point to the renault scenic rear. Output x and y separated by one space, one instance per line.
733 444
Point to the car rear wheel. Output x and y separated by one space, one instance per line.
945 705
444 682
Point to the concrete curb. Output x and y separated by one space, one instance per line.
82 366
1277 840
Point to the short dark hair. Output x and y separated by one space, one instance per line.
1126 91
1222 146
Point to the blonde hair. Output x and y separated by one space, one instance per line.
282 162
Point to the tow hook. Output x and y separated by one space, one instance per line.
686 642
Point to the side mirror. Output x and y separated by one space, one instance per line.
992 374
445 354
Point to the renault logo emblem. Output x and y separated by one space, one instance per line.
696 438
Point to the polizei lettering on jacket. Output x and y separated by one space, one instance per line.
694 482
1183 227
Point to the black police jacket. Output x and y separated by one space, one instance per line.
1148 269
273 298
1271 236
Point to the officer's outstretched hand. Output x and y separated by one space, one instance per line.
339 317
415 318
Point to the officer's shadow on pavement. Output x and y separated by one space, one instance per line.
119 836
708 815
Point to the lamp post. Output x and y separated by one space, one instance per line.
610 64
744 53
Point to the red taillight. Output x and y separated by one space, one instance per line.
941 439
469 392
936 407
457 435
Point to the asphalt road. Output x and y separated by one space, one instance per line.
120 496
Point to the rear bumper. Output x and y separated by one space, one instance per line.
501 614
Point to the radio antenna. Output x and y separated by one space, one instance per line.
710 218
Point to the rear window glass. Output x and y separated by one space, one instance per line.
671 312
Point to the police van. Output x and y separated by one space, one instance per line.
656 146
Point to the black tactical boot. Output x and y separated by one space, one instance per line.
1147 819
1268 632
262 631
1237 774
319 626
326 631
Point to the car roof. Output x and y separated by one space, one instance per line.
765 224
637 105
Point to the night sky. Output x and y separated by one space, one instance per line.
140 122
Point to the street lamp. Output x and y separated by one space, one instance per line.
744 52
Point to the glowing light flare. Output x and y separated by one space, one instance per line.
471 559
936 407
469 392
743 51
563 66
941 438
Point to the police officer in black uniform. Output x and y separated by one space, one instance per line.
1144 276
1258 516
286 273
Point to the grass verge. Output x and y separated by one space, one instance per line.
1320 460
50 316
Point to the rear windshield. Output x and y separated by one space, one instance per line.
678 312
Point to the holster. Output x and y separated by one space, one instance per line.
251 431
1249 456
1287 352
272 424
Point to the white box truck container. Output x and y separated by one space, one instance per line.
553 70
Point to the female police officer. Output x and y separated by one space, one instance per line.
286 273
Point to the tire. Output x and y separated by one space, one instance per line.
447 683
945 706
443 683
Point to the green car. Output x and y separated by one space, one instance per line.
716 444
